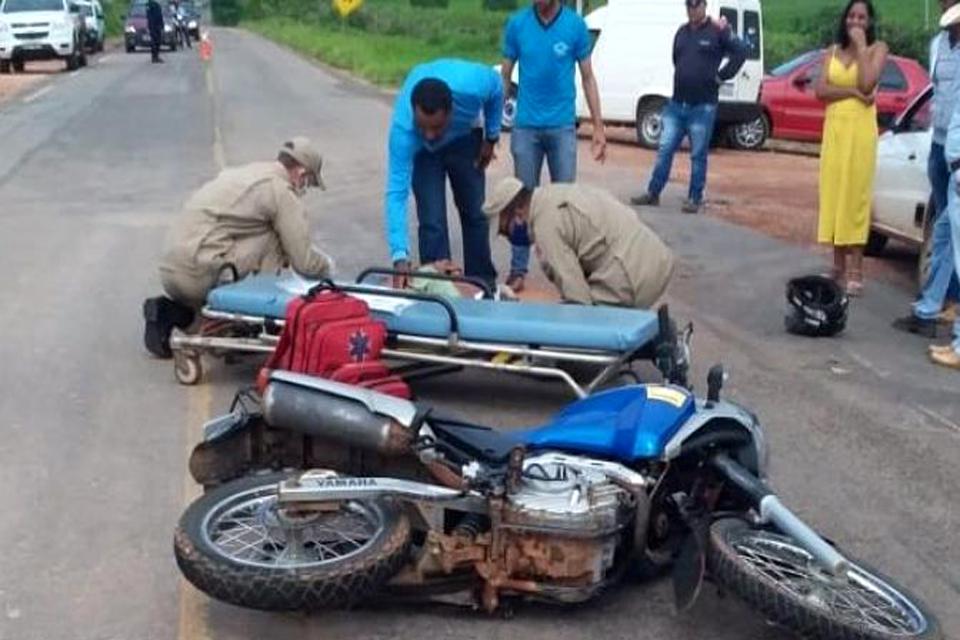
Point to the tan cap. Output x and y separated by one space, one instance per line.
303 151
501 195
950 17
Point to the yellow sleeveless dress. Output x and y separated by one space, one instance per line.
848 159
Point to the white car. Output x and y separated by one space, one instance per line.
40 30
902 202
94 19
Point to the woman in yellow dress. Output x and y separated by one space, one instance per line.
848 154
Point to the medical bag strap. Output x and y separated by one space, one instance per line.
396 293
471 280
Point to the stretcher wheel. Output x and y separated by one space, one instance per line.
186 367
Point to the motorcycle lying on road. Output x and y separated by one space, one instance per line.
404 502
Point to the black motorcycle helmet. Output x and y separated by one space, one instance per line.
817 306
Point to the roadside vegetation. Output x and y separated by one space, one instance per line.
384 38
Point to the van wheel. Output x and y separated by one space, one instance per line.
509 108
73 62
876 242
4 66
749 136
649 122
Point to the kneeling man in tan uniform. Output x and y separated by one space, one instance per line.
590 245
248 219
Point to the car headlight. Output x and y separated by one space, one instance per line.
130 28
192 24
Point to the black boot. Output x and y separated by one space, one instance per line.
161 315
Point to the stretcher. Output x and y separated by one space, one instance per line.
432 335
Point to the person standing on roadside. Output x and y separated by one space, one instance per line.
547 40
848 152
941 282
699 48
948 355
155 27
446 122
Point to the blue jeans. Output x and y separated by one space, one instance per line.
942 281
953 215
679 120
455 160
529 147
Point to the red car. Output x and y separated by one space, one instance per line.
793 111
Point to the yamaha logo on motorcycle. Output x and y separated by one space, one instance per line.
643 476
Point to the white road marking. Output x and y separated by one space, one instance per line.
73 73
106 58
37 94
936 417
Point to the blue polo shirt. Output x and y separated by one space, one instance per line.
477 101
546 53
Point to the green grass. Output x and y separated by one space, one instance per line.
386 37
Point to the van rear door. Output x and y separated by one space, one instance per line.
744 20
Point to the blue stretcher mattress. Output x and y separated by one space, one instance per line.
523 323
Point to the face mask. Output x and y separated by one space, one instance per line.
519 235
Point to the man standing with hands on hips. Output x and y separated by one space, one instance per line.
547 40
446 122
698 50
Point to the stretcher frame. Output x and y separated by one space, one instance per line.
223 333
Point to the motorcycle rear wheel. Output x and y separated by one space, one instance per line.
238 545
781 580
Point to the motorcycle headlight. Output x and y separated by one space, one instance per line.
167 28
192 24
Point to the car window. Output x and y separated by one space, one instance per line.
138 11
892 78
919 116
16 6
751 34
792 65
86 10
732 19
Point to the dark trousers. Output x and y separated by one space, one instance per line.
456 161
156 37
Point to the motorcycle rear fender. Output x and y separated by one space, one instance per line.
711 416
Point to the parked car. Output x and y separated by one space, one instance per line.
95 25
136 34
902 204
791 106
633 43
40 30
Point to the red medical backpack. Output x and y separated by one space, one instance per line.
330 334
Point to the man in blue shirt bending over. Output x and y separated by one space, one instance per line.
446 122
547 40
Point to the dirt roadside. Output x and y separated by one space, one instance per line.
15 84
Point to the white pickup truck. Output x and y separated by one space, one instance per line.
40 30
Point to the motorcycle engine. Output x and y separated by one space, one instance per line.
564 523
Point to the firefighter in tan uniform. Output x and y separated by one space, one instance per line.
590 245
248 219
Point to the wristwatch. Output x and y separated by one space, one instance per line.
954 166
492 140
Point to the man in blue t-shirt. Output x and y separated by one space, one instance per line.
547 40
446 122
699 49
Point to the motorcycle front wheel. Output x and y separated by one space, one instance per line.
238 545
782 581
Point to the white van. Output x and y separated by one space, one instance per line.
633 63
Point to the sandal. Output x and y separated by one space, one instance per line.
515 282
854 288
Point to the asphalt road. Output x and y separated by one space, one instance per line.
865 434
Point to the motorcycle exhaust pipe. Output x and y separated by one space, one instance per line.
335 418
772 510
